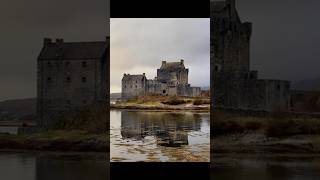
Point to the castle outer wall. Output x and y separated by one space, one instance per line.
171 80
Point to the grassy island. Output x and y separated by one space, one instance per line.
164 103
271 133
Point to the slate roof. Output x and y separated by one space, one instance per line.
172 66
73 50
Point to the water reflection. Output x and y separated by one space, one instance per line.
159 136
170 129
39 166
266 168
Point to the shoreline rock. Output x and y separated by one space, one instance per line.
56 142
160 108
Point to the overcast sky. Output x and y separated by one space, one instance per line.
24 24
140 45
285 42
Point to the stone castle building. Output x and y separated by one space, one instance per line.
235 86
71 75
172 79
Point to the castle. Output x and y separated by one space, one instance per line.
71 76
235 86
171 80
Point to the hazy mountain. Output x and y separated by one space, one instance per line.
205 88
115 95
18 109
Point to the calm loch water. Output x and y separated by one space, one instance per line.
266 168
159 136
53 166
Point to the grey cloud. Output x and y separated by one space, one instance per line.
285 40
24 24
141 44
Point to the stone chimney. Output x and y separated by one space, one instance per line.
46 41
59 52
59 41
181 61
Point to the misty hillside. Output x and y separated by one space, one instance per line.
205 88
306 85
115 95
18 109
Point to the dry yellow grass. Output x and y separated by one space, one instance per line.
273 125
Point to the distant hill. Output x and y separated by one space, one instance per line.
18 109
206 88
307 85
115 96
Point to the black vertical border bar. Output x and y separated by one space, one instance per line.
159 9
108 85
160 170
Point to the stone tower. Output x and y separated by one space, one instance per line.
234 85
173 72
230 37
71 76
133 85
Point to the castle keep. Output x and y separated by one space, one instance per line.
171 80
71 76
235 86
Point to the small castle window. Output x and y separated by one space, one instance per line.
131 86
68 79
49 64
136 81
164 91
84 64
84 79
125 86
49 79
136 86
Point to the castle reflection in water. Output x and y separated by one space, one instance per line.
170 129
